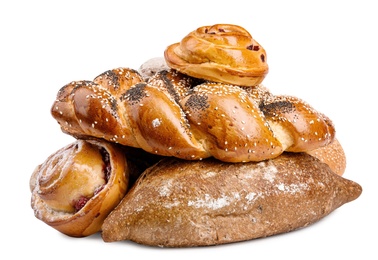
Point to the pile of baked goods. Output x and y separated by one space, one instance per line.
190 150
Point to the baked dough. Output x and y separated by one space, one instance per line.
77 186
179 203
223 53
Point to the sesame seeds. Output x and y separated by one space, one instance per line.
228 122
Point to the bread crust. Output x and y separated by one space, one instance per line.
222 53
333 155
173 114
179 203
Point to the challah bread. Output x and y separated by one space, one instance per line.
173 114
222 53
179 203
77 186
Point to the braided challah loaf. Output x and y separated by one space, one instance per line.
172 114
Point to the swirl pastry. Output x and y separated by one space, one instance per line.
223 53
173 114
75 189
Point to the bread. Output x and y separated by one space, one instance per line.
190 150
77 186
179 203
152 66
173 114
333 155
224 53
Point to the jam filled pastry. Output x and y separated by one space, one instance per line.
75 189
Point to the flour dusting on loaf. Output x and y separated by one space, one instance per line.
179 203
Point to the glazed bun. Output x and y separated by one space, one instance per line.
77 186
222 53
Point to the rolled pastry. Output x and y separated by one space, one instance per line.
74 190
224 53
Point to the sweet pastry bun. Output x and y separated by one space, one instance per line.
75 189
223 53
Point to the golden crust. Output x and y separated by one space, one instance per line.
73 190
222 53
173 114
333 155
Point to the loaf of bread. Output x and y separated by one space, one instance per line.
173 114
179 203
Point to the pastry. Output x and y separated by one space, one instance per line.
224 53
77 186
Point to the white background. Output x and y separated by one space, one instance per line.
324 52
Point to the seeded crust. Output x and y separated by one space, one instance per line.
179 203
176 115
204 99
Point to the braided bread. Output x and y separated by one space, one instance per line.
173 114
222 53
